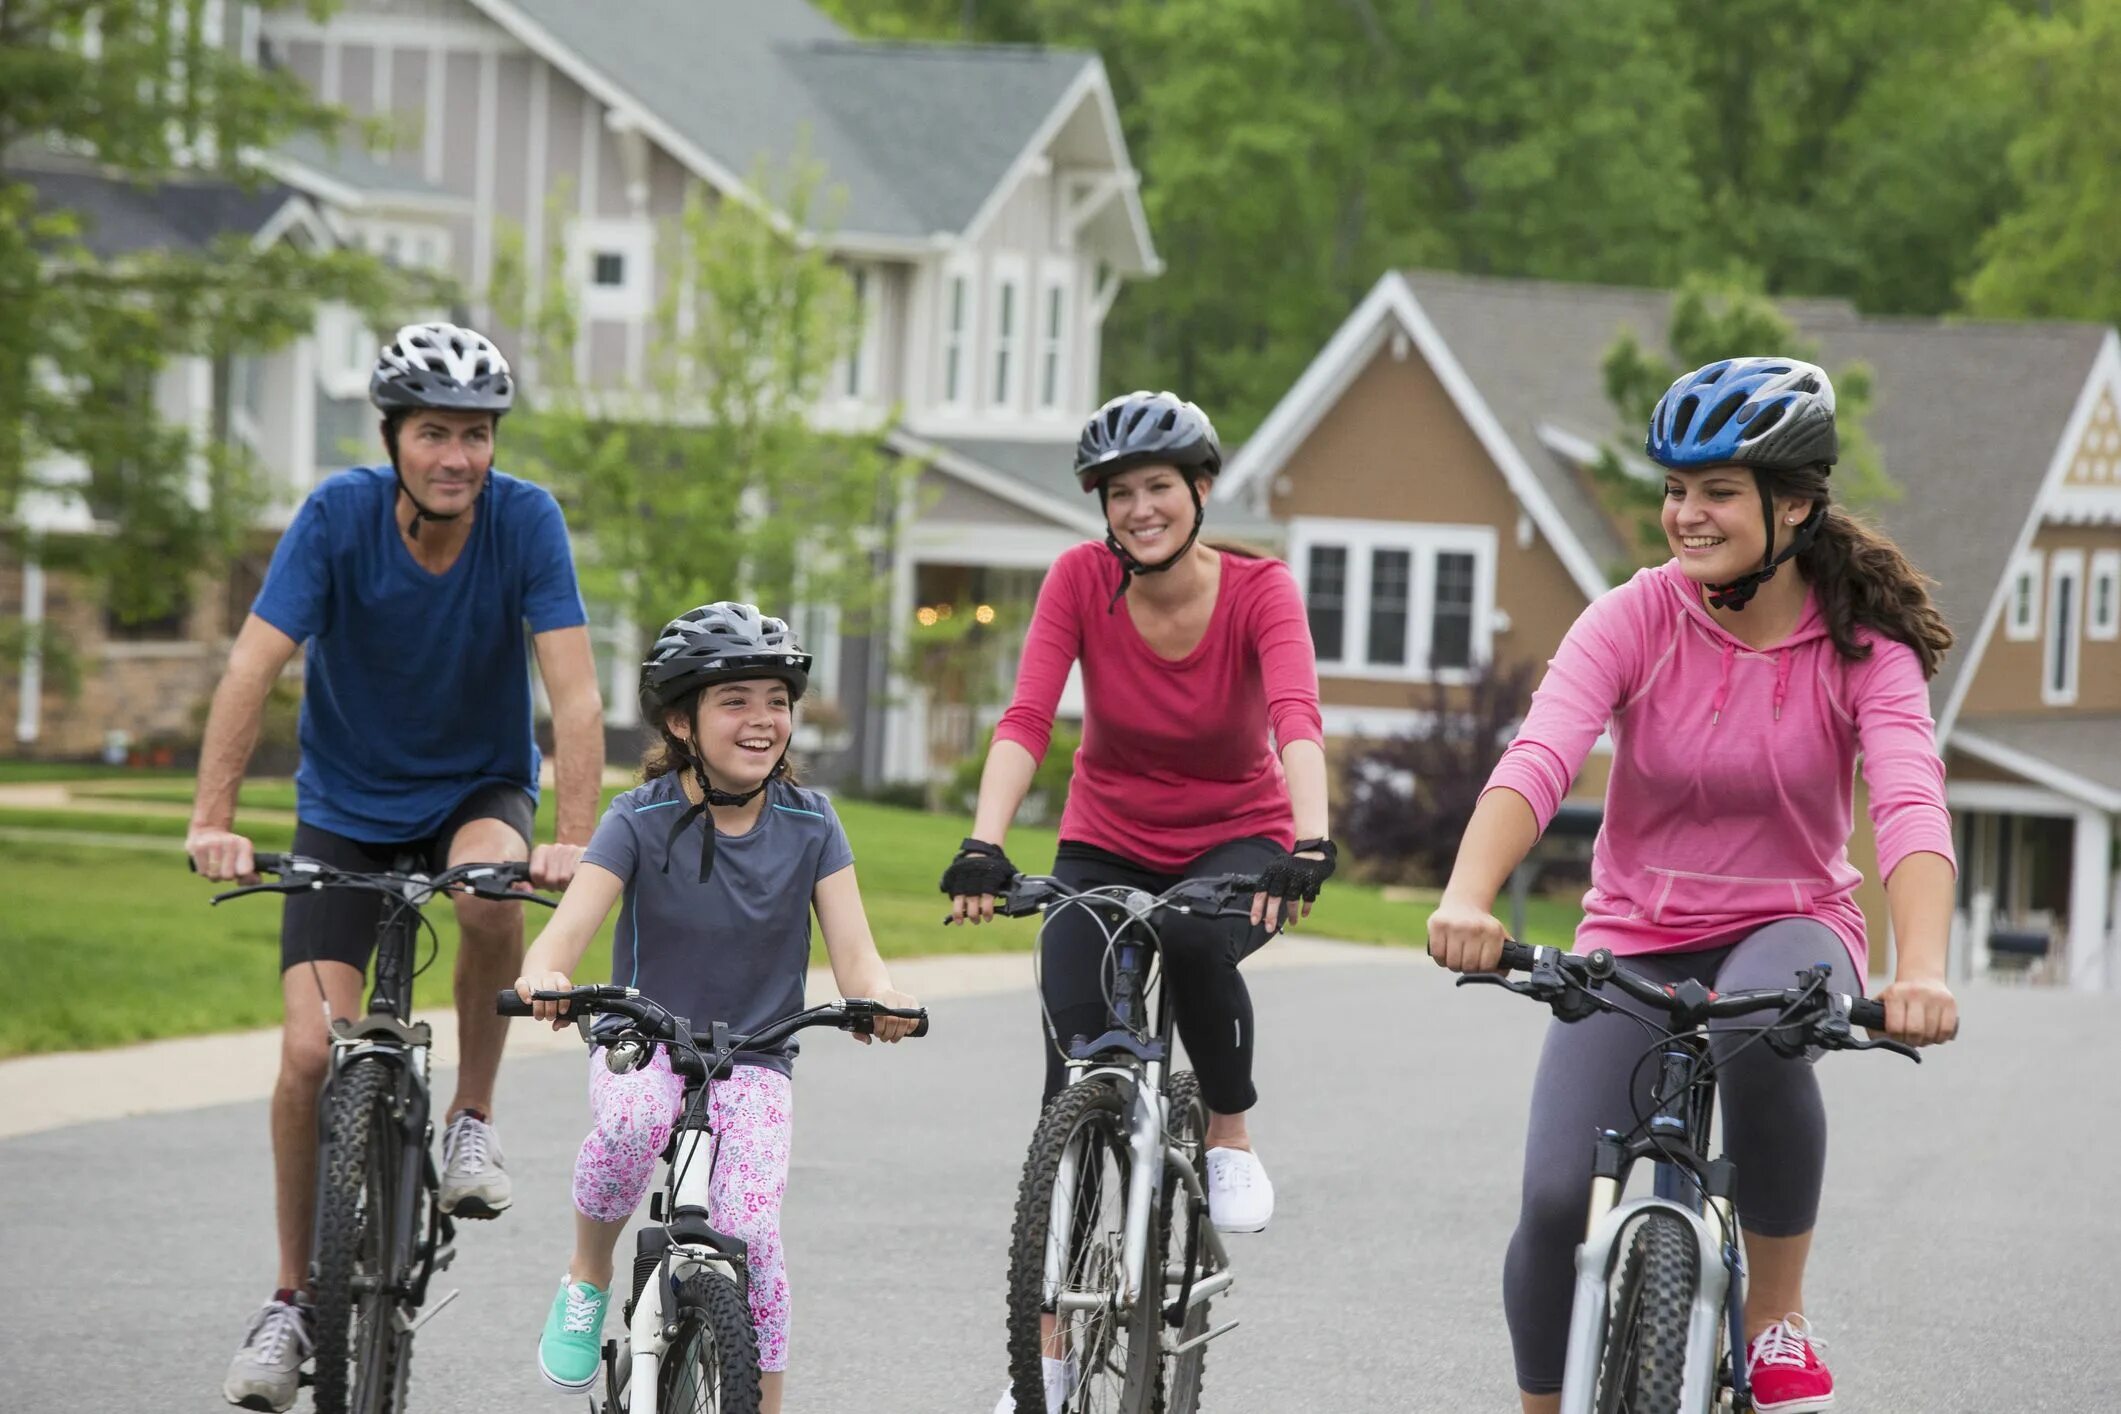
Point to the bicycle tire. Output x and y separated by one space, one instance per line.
712 1366
359 1350
1642 1369
1179 1233
1116 1352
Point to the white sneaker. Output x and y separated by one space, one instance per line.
1060 1376
268 1369
1240 1198
474 1185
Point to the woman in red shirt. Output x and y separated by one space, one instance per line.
1202 754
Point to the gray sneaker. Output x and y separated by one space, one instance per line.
267 1371
474 1185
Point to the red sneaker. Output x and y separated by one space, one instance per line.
1786 1372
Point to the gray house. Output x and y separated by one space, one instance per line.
990 216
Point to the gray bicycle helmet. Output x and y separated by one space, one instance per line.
719 642
1143 428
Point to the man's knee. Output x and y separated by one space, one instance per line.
486 924
305 1056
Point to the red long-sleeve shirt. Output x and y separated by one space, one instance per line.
1176 755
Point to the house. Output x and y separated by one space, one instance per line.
989 217
1431 470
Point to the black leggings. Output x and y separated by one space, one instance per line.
1774 1127
1200 957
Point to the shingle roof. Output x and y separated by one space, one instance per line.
1966 416
120 217
918 135
353 168
2083 746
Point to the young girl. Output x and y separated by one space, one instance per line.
719 859
1740 682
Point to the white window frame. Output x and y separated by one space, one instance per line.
960 276
1424 542
2065 599
818 630
2025 627
1004 374
346 352
2105 570
634 243
1052 394
410 245
855 379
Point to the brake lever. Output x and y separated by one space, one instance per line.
1883 1043
247 889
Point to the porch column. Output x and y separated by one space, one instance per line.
31 702
2090 887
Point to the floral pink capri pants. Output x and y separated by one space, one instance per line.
751 1113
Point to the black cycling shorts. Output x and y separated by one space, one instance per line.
339 925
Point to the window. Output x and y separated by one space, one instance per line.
1327 598
1397 601
1008 331
957 338
346 352
1451 612
2065 610
1391 593
2102 619
613 266
1053 348
2021 620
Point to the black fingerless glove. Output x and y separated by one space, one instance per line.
980 868
1291 877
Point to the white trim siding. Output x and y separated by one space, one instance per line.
1051 390
2021 615
2062 651
1004 388
2102 612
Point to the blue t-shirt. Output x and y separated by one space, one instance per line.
417 687
736 948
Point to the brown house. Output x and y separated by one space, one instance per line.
1430 470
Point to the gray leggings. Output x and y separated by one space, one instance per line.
1774 1128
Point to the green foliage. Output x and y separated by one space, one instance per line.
1716 318
86 337
711 481
2053 255
1048 795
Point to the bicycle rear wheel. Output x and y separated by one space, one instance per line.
1182 1226
712 1367
1071 1217
1643 1368
361 1353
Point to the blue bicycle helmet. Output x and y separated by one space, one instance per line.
1769 414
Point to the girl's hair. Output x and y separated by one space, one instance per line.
1863 580
669 752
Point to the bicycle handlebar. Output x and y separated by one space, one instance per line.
1210 895
488 880
650 1021
1556 977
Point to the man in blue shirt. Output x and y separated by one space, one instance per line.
411 586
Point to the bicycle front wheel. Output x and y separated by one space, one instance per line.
360 1351
1066 1267
1643 1368
1182 1233
712 1367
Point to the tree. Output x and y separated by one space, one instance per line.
147 92
1404 801
712 481
2053 255
1712 319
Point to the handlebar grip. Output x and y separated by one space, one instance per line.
1867 1012
1516 957
268 862
507 1003
920 1028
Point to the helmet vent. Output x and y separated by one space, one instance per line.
1768 417
1721 413
1688 406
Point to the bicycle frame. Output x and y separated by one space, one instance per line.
1676 1142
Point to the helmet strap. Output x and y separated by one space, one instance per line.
1739 592
1128 565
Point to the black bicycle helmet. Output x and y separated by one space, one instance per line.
1142 428
1769 414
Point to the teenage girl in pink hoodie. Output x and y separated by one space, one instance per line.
1739 700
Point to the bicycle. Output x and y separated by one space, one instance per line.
1128 1289
381 1234
691 1284
1666 1333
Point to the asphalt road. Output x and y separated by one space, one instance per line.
1968 1259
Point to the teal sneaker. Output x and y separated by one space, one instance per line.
572 1346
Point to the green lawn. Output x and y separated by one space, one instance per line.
125 947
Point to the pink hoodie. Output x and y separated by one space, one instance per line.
1732 794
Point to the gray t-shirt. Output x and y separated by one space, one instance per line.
733 949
